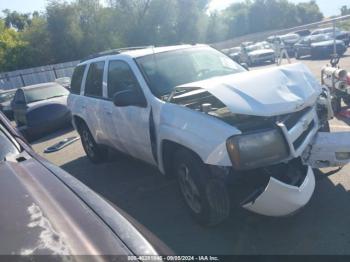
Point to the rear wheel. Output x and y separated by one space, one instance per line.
94 152
206 197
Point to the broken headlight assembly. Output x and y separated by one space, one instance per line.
257 149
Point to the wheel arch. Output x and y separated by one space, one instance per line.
168 149
78 121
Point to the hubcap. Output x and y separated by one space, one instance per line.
189 189
88 143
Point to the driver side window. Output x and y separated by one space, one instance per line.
120 78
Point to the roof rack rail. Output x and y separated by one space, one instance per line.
114 52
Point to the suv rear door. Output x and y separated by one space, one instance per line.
128 127
93 101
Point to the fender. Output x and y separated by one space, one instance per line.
203 134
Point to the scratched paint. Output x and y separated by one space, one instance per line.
49 239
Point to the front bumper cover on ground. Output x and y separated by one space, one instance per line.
281 199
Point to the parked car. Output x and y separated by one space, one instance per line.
6 97
289 40
41 108
259 53
49 212
197 115
235 53
303 32
63 81
339 34
318 46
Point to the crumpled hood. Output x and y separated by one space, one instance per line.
266 92
261 52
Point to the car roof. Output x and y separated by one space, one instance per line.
7 91
135 53
41 85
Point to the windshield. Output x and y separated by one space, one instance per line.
4 97
320 38
45 92
290 37
258 47
6 146
164 71
235 50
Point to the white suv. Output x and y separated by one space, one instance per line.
195 114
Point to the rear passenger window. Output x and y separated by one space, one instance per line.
76 79
120 78
93 85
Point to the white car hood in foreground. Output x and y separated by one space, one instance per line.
266 92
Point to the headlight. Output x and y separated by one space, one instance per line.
258 149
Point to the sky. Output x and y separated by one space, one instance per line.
328 7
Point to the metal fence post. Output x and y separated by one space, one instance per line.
54 72
334 41
22 80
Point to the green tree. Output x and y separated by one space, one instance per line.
11 48
308 12
344 10
16 20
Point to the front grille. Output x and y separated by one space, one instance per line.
302 137
293 118
297 128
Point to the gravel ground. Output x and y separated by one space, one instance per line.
322 227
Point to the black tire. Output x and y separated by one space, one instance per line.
94 152
206 197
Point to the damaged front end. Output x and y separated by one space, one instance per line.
281 189
280 138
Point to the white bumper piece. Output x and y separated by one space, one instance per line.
280 199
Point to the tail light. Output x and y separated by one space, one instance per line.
348 79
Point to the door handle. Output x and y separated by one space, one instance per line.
108 113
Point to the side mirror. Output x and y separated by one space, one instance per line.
129 98
245 65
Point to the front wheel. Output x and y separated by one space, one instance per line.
206 197
94 152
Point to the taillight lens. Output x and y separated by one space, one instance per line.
348 79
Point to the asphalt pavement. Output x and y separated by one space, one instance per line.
322 227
